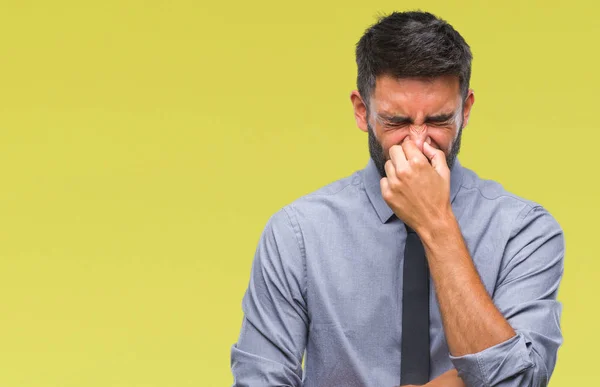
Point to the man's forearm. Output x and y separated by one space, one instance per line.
447 379
471 321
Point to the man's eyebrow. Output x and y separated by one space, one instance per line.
396 119
440 117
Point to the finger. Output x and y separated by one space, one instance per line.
437 158
390 171
412 153
397 156
384 184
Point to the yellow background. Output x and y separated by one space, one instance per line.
144 144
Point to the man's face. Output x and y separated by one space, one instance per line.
424 110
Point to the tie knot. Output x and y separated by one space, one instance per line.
409 230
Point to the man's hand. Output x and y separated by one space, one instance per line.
418 192
447 379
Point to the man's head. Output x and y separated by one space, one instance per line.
413 81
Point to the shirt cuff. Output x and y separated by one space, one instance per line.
494 364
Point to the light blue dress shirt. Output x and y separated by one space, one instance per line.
326 282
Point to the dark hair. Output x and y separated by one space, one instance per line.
411 44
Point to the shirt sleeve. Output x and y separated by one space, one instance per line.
275 325
526 295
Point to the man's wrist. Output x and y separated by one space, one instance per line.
442 227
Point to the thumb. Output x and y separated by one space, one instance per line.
437 158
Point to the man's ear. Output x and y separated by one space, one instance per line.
469 101
360 110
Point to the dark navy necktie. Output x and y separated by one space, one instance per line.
415 313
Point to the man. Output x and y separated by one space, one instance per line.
412 271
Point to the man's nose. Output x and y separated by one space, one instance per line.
418 134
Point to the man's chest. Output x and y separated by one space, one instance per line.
354 272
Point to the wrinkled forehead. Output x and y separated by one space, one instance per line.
415 97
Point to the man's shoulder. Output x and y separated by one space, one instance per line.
340 190
341 196
491 197
489 190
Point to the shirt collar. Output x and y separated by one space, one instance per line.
371 179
